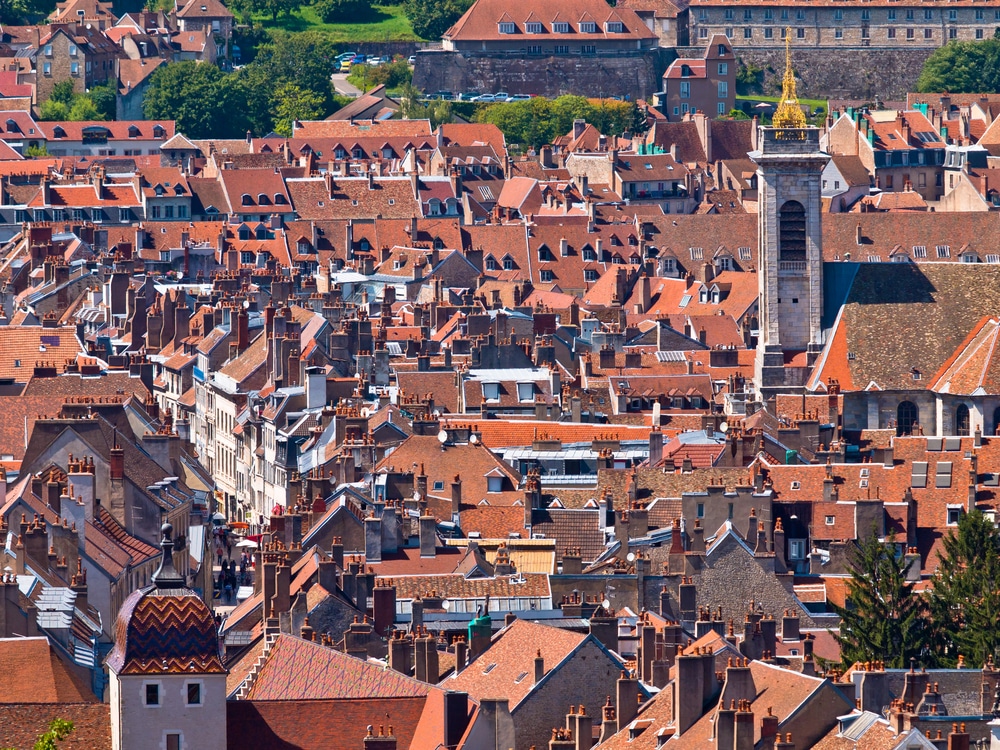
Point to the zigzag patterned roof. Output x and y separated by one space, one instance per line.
168 631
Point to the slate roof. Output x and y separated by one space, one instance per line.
932 307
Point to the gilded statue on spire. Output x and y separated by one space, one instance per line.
789 114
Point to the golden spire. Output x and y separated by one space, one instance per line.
789 114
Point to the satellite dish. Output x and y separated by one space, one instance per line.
606 603
473 438
724 427
416 497
446 604
365 412
630 557
246 304
443 437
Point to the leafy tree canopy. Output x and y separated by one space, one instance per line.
201 98
431 18
963 67
539 121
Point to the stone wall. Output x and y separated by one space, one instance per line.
635 76
850 73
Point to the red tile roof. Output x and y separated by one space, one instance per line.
296 669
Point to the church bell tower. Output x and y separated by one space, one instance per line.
790 275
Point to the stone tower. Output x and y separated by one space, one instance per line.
167 680
789 169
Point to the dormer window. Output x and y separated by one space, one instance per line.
244 233
533 27
260 233
491 391
12 126
358 153
133 131
588 254
614 27
525 392
246 199
494 484
263 200
58 132
159 132
506 27
491 263
508 263
339 153
560 27
279 200
588 27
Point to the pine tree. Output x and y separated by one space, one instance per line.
964 602
883 619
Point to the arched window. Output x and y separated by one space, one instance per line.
962 420
906 417
792 231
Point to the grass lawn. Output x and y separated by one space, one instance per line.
387 23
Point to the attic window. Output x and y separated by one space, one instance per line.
506 27
796 485
943 251
942 477
533 27
614 27
746 253
491 391
992 258
919 251
246 200
490 668
58 132
263 200
280 200
159 132
560 27
831 520
588 27
133 131
520 677
697 253
494 484
438 486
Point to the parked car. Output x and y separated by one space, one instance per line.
468 96
519 98
500 96
485 98
412 59
345 65
346 56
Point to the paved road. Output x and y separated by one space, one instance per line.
344 88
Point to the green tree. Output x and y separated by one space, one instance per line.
292 103
305 59
203 100
393 76
104 98
341 11
83 109
883 619
431 18
964 602
53 110
411 108
59 729
962 67
63 92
